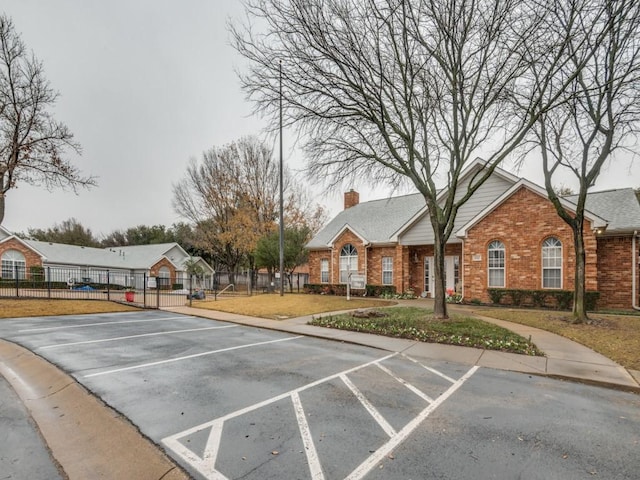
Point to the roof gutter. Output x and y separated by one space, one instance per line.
634 266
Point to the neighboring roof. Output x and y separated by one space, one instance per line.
147 255
135 257
620 208
375 221
200 261
75 255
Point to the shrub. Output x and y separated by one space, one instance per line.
564 298
561 299
537 297
383 291
496 294
37 273
591 300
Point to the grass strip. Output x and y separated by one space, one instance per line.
418 324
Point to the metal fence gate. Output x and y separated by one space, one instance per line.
138 289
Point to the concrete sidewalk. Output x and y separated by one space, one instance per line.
564 358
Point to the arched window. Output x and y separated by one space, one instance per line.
348 262
495 258
552 263
13 263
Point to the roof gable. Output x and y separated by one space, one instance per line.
4 233
596 221
374 222
419 230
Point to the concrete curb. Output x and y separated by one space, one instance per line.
565 359
87 438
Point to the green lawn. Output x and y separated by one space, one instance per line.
418 324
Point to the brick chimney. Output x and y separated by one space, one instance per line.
351 198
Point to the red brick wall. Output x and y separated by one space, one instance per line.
351 199
155 269
615 272
522 223
334 265
314 264
31 258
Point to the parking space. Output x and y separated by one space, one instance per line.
229 401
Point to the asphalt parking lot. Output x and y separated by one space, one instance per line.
230 401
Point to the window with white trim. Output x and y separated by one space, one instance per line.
387 270
324 270
348 262
552 263
13 263
495 259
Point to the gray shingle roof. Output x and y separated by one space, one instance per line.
619 207
377 221
142 256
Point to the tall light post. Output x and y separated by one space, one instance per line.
281 197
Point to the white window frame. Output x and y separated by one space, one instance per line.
552 263
10 260
324 270
348 262
495 247
387 270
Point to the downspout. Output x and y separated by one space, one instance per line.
461 266
634 266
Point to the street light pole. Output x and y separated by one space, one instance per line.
281 197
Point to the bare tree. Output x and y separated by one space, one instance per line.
394 90
232 198
600 116
32 143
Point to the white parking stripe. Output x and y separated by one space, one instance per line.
420 393
187 357
388 429
309 447
63 327
366 466
432 370
205 465
134 336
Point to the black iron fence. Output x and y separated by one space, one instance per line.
137 288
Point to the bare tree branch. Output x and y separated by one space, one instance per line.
32 143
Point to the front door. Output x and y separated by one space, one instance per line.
451 274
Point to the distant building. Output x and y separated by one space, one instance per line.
166 262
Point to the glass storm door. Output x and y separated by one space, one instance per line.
451 273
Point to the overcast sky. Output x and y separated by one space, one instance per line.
144 86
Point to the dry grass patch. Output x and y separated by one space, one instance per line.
15 308
290 305
614 336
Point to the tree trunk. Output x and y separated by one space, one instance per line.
1 207
579 307
439 299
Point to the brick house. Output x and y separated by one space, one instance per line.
507 236
121 265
